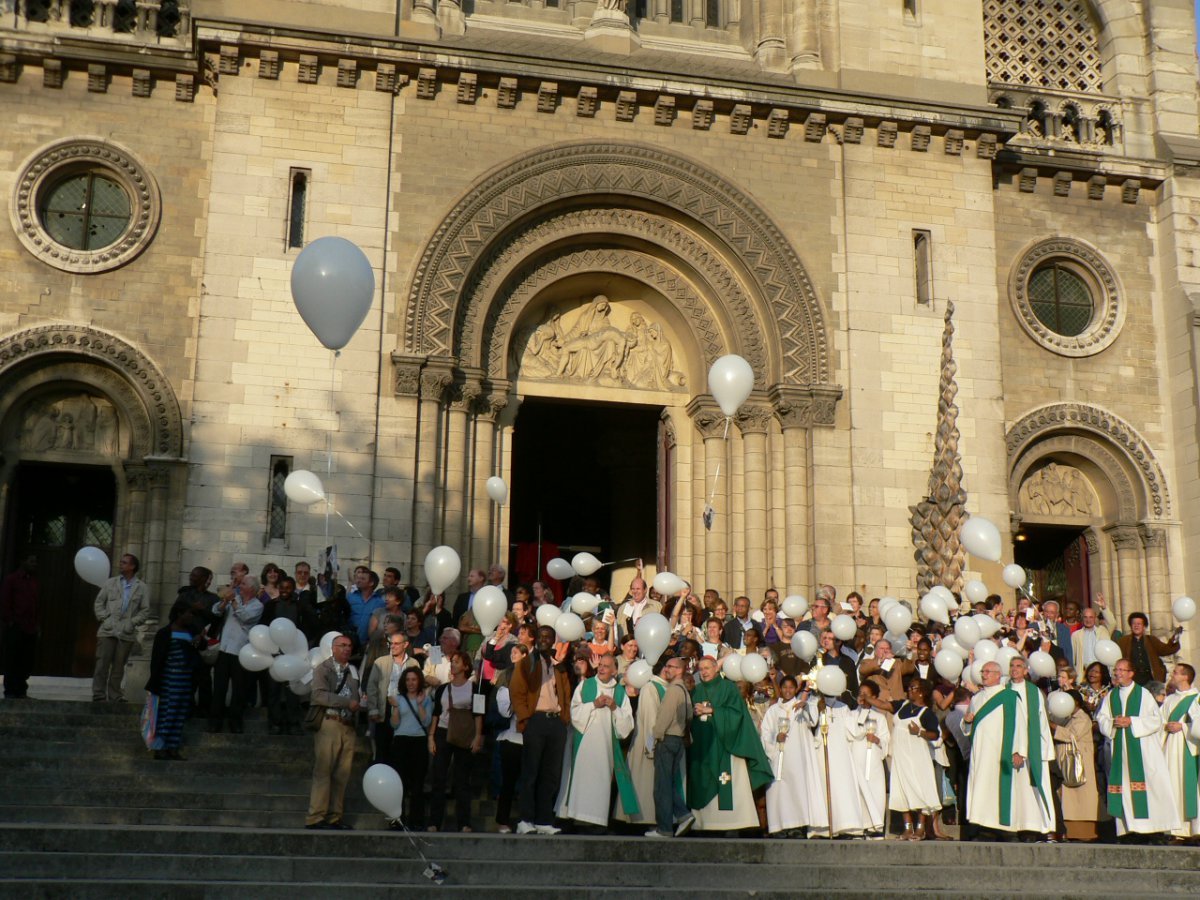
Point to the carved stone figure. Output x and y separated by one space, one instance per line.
1057 490
594 349
614 5
79 422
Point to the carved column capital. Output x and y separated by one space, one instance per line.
753 419
1153 538
1124 537
1093 541
707 416
137 476
463 396
668 430
406 374
492 400
799 406
436 378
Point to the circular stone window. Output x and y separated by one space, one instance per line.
1067 297
85 205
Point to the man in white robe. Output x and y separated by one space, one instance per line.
796 798
1008 788
1140 796
641 754
868 733
601 716
1182 749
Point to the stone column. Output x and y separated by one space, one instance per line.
1098 574
753 421
456 484
1158 588
137 481
710 422
806 41
1128 545
485 518
436 378
793 408
406 372
156 530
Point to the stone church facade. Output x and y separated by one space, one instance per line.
956 241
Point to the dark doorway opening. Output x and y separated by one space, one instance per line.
56 510
584 476
1056 559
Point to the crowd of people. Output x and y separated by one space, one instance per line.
574 743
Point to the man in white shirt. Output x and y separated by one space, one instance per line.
1083 641
632 610
240 611
383 682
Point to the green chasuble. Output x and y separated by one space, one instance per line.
728 732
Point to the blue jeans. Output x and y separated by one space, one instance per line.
668 783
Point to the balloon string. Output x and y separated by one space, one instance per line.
717 474
329 440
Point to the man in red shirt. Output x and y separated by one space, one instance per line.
19 625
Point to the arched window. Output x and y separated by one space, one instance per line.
1052 44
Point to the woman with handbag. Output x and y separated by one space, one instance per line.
411 715
1075 753
455 733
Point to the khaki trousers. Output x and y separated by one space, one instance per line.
111 655
334 746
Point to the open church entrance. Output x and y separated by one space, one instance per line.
1056 560
585 476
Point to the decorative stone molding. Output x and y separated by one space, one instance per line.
887 133
815 127
436 382
468 87
921 135
1043 422
492 401
547 97
588 102
1113 466
1124 537
1044 43
406 374
852 130
347 73
143 84
753 419
52 73
1062 184
1153 538
427 84
987 146
1101 279
269 64
10 68
777 123
309 69
798 407
97 78
49 347
185 88
707 417
627 106
506 93
385 78
462 397
60 157
664 110
1096 186
740 119
954 142
702 115
536 180
230 59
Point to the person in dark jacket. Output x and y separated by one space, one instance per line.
173 659
283 706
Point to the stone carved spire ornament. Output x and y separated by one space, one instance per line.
936 519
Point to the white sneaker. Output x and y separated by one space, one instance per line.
685 825
548 829
655 833
526 828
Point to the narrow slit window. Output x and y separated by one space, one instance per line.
281 467
297 204
923 266
910 10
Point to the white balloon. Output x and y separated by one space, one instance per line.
287 667
980 538
975 592
898 619
1042 664
934 608
730 381
253 659
442 566
497 489
384 790
547 614
1060 706
327 640
985 651
831 681
260 637
804 645
886 605
1184 609
303 487
585 564
844 627
569 627
299 645
559 569
1108 652
948 664
1004 656
966 631
976 672
794 607
668 583
333 287
489 608
731 667
300 688
638 674
653 633
283 631
317 655
988 626
946 594
950 642
1013 575
92 565
584 604
754 668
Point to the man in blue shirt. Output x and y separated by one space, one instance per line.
364 599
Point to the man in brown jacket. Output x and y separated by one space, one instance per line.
335 690
541 698
1144 650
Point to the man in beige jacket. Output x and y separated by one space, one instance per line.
335 690
121 606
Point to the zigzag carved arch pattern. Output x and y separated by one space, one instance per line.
511 194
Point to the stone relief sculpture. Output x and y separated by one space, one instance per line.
1057 490
79 422
593 349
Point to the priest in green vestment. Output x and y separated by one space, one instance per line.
726 762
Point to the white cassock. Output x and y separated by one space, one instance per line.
1027 812
796 798
641 763
870 779
588 793
914 779
1146 728
1182 750
843 789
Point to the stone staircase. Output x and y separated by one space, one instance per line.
86 813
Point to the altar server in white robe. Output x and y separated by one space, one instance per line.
641 754
1140 797
1008 788
843 794
601 716
867 731
1181 717
914 779
796 798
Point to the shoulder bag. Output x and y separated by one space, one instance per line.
316 713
